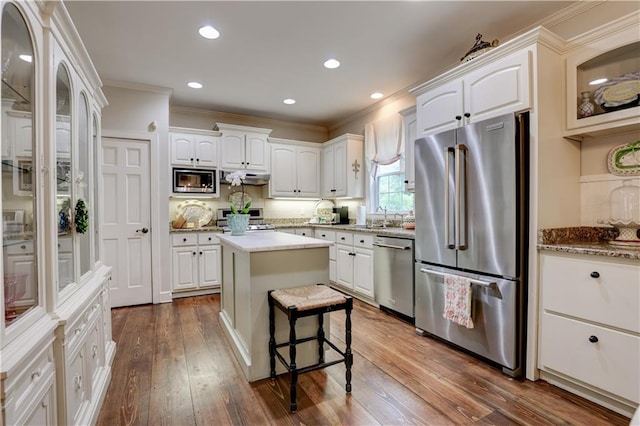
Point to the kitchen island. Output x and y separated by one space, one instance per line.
253 264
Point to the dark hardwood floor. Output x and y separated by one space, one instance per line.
173 366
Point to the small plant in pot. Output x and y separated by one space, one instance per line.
239 219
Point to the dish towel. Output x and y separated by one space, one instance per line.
458 300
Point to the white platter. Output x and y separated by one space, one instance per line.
195 211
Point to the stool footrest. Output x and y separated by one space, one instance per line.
306 339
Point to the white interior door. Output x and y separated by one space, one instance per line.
126 219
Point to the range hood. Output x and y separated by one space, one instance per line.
255 179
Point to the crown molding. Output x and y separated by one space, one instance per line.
141 87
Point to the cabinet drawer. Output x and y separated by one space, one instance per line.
207 238
31 379
344 238
610 364
77 330
325 235
95 348
599 291
184 239
25 247
65 245
363 240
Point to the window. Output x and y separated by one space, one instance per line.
389 190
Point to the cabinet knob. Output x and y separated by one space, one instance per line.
191 159
593 339
194 253
242 162
458 117
184 240
595 274
361 241
304 233
197 160
406 181
342 238
248 163
23 247
200 253
466 114
323 235
209 238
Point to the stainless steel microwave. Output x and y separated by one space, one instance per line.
195 181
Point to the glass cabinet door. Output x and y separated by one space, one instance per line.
64 178
19 180
82 207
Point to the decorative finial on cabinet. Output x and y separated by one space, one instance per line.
356 168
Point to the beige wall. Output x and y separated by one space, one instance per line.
202 119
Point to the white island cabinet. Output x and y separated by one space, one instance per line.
253 264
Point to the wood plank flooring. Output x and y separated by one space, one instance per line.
173 366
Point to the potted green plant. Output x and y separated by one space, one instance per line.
238 220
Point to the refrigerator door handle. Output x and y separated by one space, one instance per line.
473 280
460 169
447 213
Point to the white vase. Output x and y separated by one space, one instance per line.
586 108
238 223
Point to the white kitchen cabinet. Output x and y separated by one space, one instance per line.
295 169
496 88
589 335
19 134
354 262
328 235
194 148
610 51
196 258
409 124
343 173
244 148
305 232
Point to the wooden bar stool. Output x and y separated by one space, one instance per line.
300 302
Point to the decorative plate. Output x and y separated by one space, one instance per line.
195 211
237 198
624 160
323 210
619 93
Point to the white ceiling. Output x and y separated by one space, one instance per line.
269 51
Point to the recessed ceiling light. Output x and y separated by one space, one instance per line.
289 101
597 81
376 95
26 58
208 32
331 63
194 85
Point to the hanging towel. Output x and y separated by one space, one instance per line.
458 300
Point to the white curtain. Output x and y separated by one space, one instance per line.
383 142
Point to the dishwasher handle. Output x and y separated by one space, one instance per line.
391 246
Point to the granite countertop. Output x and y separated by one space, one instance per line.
585 240
271 241
390 232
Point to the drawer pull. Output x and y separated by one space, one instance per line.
342 238
361 241
323 235
94 350
23 247
36 374
595 274
78 382
593 339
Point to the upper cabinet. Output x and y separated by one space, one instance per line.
194 148
603 78
342 167
409 124
459 98
244 148
295 169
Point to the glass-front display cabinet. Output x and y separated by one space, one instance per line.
603 81
20 196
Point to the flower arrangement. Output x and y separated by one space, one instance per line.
237 179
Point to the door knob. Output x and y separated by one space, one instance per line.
143 230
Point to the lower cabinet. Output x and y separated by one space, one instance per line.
327 235
305 232
354 262
196 258
84 352
589 332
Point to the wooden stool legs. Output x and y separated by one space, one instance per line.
339 302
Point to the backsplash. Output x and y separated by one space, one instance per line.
594 196
295 210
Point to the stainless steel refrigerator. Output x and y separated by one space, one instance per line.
470 207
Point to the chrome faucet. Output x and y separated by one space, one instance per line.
384 222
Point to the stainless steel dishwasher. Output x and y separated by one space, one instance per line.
393 275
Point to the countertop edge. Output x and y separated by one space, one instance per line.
597 249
